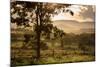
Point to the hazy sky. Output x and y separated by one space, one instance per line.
81 13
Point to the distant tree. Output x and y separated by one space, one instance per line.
86 41
59 34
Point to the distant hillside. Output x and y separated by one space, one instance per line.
71 26
87 30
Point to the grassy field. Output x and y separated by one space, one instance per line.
54 54
77 48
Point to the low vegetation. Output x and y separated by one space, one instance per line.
77 48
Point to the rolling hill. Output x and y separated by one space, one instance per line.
71 26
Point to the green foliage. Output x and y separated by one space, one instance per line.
87 43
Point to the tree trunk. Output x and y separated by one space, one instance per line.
38 45
38 34
62 43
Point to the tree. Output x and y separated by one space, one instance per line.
40 16
59 34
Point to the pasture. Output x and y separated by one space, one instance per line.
51 52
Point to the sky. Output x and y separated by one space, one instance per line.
82 13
